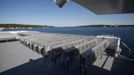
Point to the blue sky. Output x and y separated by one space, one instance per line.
45 12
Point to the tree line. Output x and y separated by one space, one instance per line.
22 26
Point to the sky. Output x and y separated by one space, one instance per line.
45 12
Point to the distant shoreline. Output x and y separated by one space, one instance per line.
18 26
109 26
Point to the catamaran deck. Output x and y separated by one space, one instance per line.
23 57
17 59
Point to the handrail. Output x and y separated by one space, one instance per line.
127 47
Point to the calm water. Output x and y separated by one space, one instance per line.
126 34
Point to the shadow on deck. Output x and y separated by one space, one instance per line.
43 67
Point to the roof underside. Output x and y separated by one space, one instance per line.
107 6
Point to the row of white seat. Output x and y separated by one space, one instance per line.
53 41
49 46
89 51
94 53
81 48
69 46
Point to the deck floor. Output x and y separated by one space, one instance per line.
13 54
16 59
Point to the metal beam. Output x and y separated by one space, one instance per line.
105 6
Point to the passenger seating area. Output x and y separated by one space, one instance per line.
64 47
